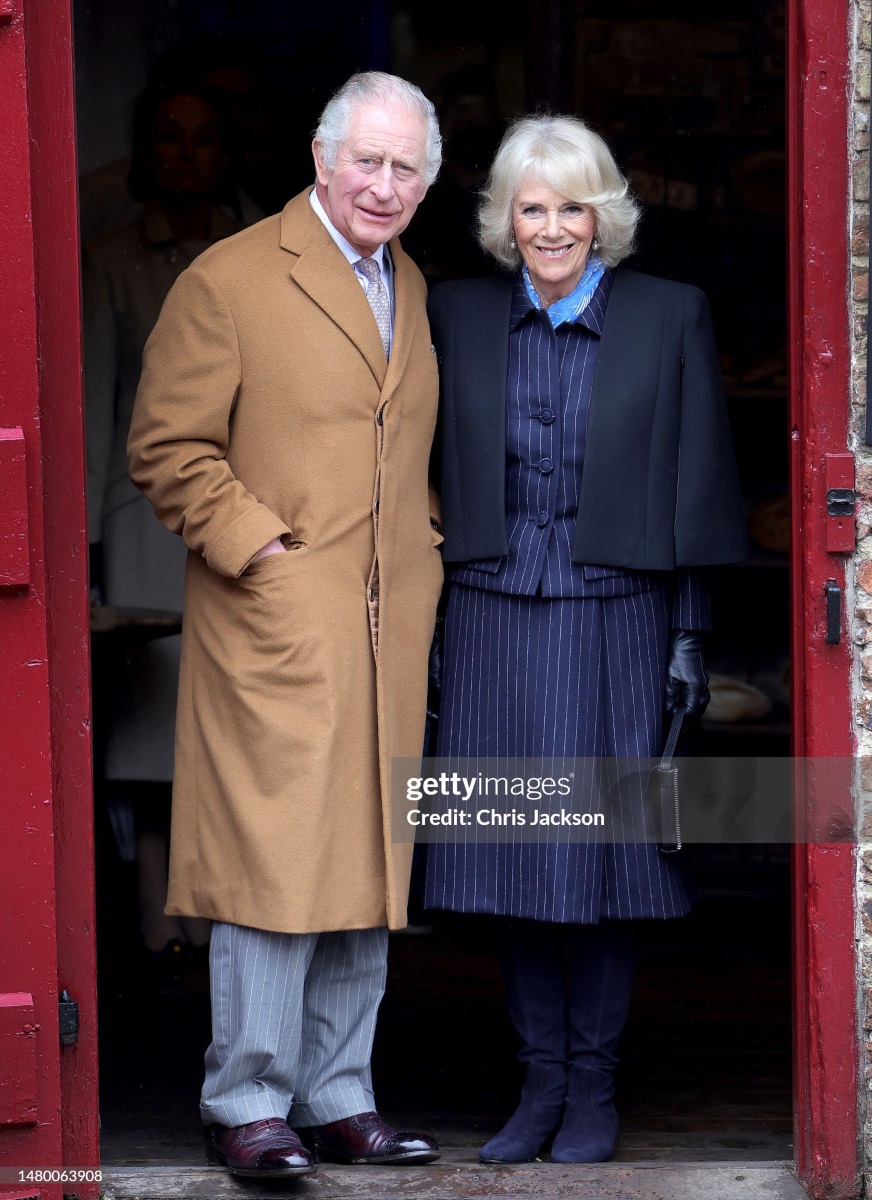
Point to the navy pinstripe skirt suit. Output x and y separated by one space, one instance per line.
559 610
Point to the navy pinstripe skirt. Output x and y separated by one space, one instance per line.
528 676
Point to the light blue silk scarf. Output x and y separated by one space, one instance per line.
573 305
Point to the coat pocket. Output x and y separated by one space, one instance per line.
595 572
271 564
488 566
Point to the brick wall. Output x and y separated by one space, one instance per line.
859 581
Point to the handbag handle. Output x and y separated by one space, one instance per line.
672 740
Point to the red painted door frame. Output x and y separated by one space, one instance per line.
826 1048
48 1098
54 192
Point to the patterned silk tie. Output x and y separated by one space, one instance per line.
379 302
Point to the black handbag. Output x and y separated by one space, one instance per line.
664 791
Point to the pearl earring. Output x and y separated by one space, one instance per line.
595 244
512 244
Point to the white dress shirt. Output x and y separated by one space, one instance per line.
381 256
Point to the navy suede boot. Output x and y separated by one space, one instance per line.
590 1126
534 1120
531 959
603 961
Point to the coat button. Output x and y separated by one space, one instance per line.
546 466
379 417
375 507
372 594
546 416
543 519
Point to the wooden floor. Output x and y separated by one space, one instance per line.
705 1071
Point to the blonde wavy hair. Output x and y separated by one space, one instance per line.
565 154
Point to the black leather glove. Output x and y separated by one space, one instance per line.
686 678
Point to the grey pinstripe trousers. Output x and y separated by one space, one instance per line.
293 1019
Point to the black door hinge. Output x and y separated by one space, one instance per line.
840 502
68 1019
833 594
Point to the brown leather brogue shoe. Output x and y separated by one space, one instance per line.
266 1149
366 1138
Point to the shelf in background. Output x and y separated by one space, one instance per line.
776 723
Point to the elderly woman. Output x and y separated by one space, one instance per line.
587 474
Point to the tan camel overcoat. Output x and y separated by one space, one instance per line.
266 408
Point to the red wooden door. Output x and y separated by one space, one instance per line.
827 1099
48 1108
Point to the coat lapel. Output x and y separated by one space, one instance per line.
482 333
617 391
407 307
475 338
622 404
329 280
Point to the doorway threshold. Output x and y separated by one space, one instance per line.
456 1178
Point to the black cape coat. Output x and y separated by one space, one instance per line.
659 489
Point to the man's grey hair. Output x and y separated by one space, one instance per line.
379 88
568 156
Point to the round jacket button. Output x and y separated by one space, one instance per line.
546 416
542 519
546 466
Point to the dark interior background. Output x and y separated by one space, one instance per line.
691 99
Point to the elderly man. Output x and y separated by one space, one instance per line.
283 426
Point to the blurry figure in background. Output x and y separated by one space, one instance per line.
238 68
442 238
229 66
178 173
